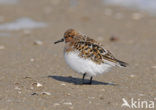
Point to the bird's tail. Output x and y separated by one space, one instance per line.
121 63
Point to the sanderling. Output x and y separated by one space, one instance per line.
86 56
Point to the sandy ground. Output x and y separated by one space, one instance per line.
23 64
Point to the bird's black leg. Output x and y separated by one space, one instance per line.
83 77
90 82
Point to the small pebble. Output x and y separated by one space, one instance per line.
91 97
67 103
68 94
141 94
31 88
108 102
27 77
38 42
34 93
19 92
132 75
102 89
114 38
56 104
32 59
17 88
45 93
37 84
2 47
63 84
101 98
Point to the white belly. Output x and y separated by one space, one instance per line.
81 65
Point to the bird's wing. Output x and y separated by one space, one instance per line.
93 50
90 48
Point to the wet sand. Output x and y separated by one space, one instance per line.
34 75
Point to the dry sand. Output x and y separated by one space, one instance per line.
29 56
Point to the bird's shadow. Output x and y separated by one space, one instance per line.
78 81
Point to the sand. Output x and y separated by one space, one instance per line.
34 75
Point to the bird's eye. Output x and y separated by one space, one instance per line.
70 36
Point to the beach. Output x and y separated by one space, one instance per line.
34 75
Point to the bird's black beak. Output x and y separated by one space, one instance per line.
59 41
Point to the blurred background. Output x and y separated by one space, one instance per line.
28 56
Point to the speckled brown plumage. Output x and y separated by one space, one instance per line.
88 48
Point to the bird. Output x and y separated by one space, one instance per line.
86 56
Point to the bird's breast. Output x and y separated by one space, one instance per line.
81 65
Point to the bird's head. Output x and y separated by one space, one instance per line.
68 36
